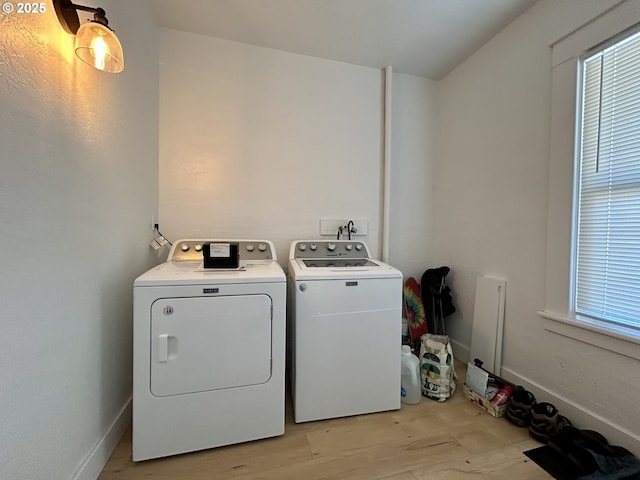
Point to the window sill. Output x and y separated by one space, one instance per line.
621 340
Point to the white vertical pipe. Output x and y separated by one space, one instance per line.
386 195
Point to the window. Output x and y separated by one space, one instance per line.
607 230
584 318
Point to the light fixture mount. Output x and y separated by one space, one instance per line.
67 13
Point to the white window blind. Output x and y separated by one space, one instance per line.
607 262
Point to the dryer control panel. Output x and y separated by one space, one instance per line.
191 249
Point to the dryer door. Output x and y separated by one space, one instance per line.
209 343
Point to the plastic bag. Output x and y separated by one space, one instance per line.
437 369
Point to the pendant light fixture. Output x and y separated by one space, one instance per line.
96 43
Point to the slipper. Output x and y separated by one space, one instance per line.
519 410
563 422
544 421
591 457
571 449
595 436
586 437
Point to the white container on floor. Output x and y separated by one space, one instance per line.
410 391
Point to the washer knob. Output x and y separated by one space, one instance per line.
198 247
250 247
302 247
262 247
349 247
358 246
185 247
331 247
313 246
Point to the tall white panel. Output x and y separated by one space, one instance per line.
488 322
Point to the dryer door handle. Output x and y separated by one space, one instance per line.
167 347
163 347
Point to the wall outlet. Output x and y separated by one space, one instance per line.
330 227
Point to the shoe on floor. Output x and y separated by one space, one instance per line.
519 410
563 422
544 421
569 443
592 457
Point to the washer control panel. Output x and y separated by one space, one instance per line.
191 249
328 249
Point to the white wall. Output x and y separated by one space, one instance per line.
413 139
78 186
258 143
262 143
491 187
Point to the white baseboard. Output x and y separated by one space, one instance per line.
99 455
460 352
580 416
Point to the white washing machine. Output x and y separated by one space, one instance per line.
208 348
345 327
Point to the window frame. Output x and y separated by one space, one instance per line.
558 314
611 324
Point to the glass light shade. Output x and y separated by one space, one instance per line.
98 46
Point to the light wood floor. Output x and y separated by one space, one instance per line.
450 440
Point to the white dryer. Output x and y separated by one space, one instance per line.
345 329
208 349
